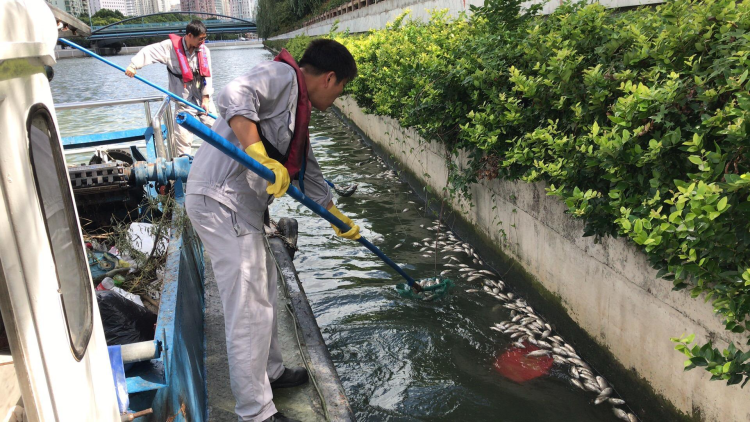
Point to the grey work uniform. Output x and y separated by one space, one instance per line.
226 203
164 52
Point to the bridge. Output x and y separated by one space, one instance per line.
217 24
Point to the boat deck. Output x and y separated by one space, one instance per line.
303 403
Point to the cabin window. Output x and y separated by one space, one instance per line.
55 198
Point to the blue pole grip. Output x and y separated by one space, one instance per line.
96 56
193 125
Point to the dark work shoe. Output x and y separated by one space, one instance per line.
279 417
291 377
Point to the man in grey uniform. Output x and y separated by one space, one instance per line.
265 113
189 66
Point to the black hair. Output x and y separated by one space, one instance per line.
325 55
196 28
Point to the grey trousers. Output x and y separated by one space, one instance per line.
246 276
183 138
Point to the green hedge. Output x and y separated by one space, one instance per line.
637 120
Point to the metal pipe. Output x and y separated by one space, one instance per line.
108 103
138 352
161 149
159 139
195 126
133 416
170 132
147 106
96 56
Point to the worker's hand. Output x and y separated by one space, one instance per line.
206 103
258 152
353 233
130 71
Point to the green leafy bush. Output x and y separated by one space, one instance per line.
636 119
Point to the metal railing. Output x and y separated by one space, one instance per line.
163 116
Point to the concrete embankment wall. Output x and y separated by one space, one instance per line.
69 53
607 288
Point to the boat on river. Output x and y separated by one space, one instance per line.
55 360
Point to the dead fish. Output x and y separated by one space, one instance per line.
463 265
449 265
453 258
632 418
426 256
405 210
600 400
463 270
577 383
546 334
503 297
472 290
544 344
519 345
473 277
510 295
398 246
487 272
616 402
443 273
539 352
496 329
591 387
573 372
606 392
602 382
559 360
486 289
621 414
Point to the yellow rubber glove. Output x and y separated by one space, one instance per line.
353 233
258 152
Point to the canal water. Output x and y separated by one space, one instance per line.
399 359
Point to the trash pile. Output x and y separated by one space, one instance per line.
126 261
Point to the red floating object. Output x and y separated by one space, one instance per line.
516 366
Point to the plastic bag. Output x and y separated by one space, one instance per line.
124 321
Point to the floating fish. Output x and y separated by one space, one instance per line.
573 372
632 418
577 383
602 382
591 387
600 400
606 392
405 210
471 290
539 352
616 402
621 414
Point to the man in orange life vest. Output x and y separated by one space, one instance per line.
266 113
189 66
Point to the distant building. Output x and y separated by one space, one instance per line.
244 9
197 6
60 4
222 7
146 7
175 8
74 7
119 5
